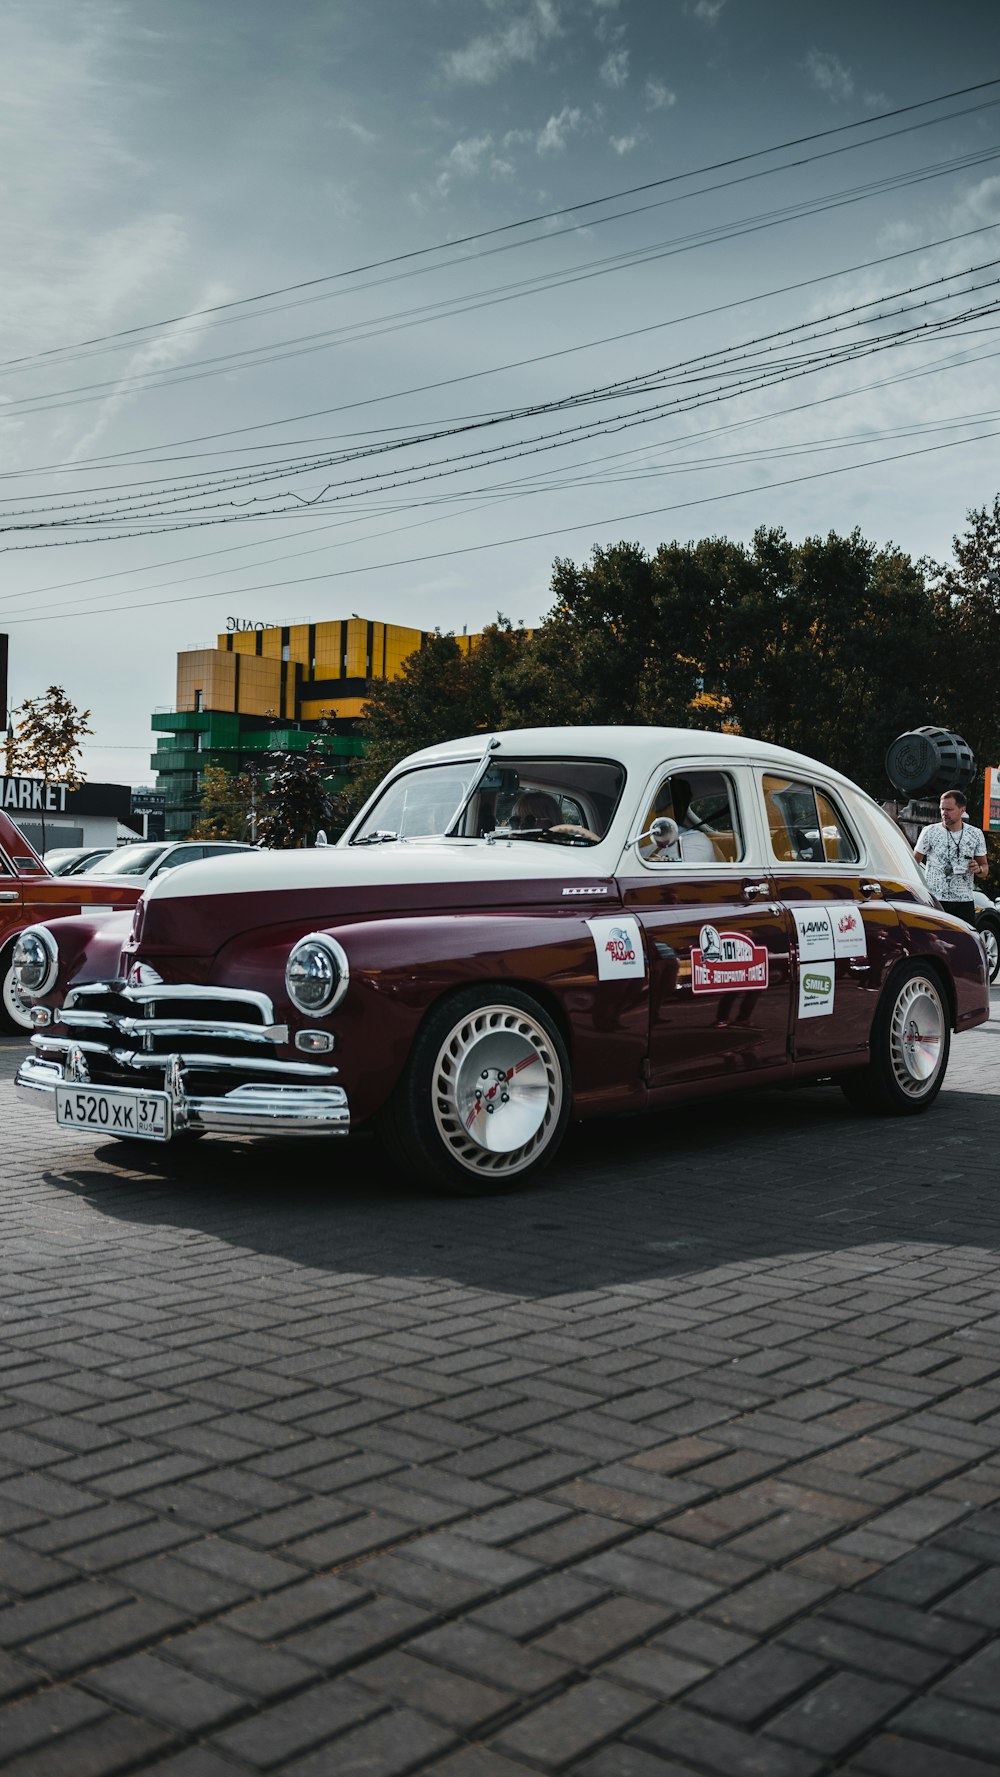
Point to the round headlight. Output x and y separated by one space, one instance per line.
317 973
36 962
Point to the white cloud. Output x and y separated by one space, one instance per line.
473 155
830 75
61 158
553 137
708 11
168 349
484 59
658 96
614 68
623 144
357 129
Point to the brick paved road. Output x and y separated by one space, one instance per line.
687 1461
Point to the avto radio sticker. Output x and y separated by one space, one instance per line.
727 962
618 942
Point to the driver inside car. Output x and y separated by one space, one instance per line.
537 815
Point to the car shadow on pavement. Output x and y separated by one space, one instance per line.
686 1190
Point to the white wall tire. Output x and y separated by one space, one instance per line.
485 1098
910 1045
15 1011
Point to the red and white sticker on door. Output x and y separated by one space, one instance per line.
727 962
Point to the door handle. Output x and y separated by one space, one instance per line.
9 895
750 889
871 888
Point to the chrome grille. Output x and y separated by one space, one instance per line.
206 1030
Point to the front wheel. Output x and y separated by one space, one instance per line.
910 1043
989 931
15 1010
485 1097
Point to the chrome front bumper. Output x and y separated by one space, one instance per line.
265 1107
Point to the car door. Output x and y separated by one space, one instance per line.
717 938
11 918
844 934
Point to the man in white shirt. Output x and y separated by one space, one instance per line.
954 853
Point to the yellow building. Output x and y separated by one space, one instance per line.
300 672
267 687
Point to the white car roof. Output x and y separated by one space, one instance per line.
640 750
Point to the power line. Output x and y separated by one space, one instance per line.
523 222
352 333
85 465
123 507
537 536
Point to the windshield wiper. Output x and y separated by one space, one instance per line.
380 837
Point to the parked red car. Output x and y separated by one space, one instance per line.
517 929
28 893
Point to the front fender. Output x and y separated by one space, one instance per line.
401 967
90 946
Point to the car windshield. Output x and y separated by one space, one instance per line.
522 798
129 860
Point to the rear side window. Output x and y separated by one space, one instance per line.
805 825
692 819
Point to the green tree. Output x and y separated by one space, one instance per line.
296 802
227 800
829 647
967 672
443 691
48 736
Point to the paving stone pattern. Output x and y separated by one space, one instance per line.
686 1461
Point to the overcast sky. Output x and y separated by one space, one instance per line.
167 157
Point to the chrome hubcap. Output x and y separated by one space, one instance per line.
497 1090
989 938
917 1037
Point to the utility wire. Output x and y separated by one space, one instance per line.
355 333
724 360
523 222
557 531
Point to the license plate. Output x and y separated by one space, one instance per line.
114 1110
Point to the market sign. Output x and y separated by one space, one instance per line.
32 795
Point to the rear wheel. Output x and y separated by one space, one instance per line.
989 928
485 1098
15 1010
910 1043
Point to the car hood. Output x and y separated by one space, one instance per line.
198 910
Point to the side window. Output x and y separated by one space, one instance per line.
804 825
692 819
838 845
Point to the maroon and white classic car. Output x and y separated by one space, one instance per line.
515 930
29 892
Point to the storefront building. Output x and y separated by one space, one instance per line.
50 815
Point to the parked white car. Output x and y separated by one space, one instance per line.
139 864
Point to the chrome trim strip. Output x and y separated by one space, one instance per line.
174 1027
242 996
138 1060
